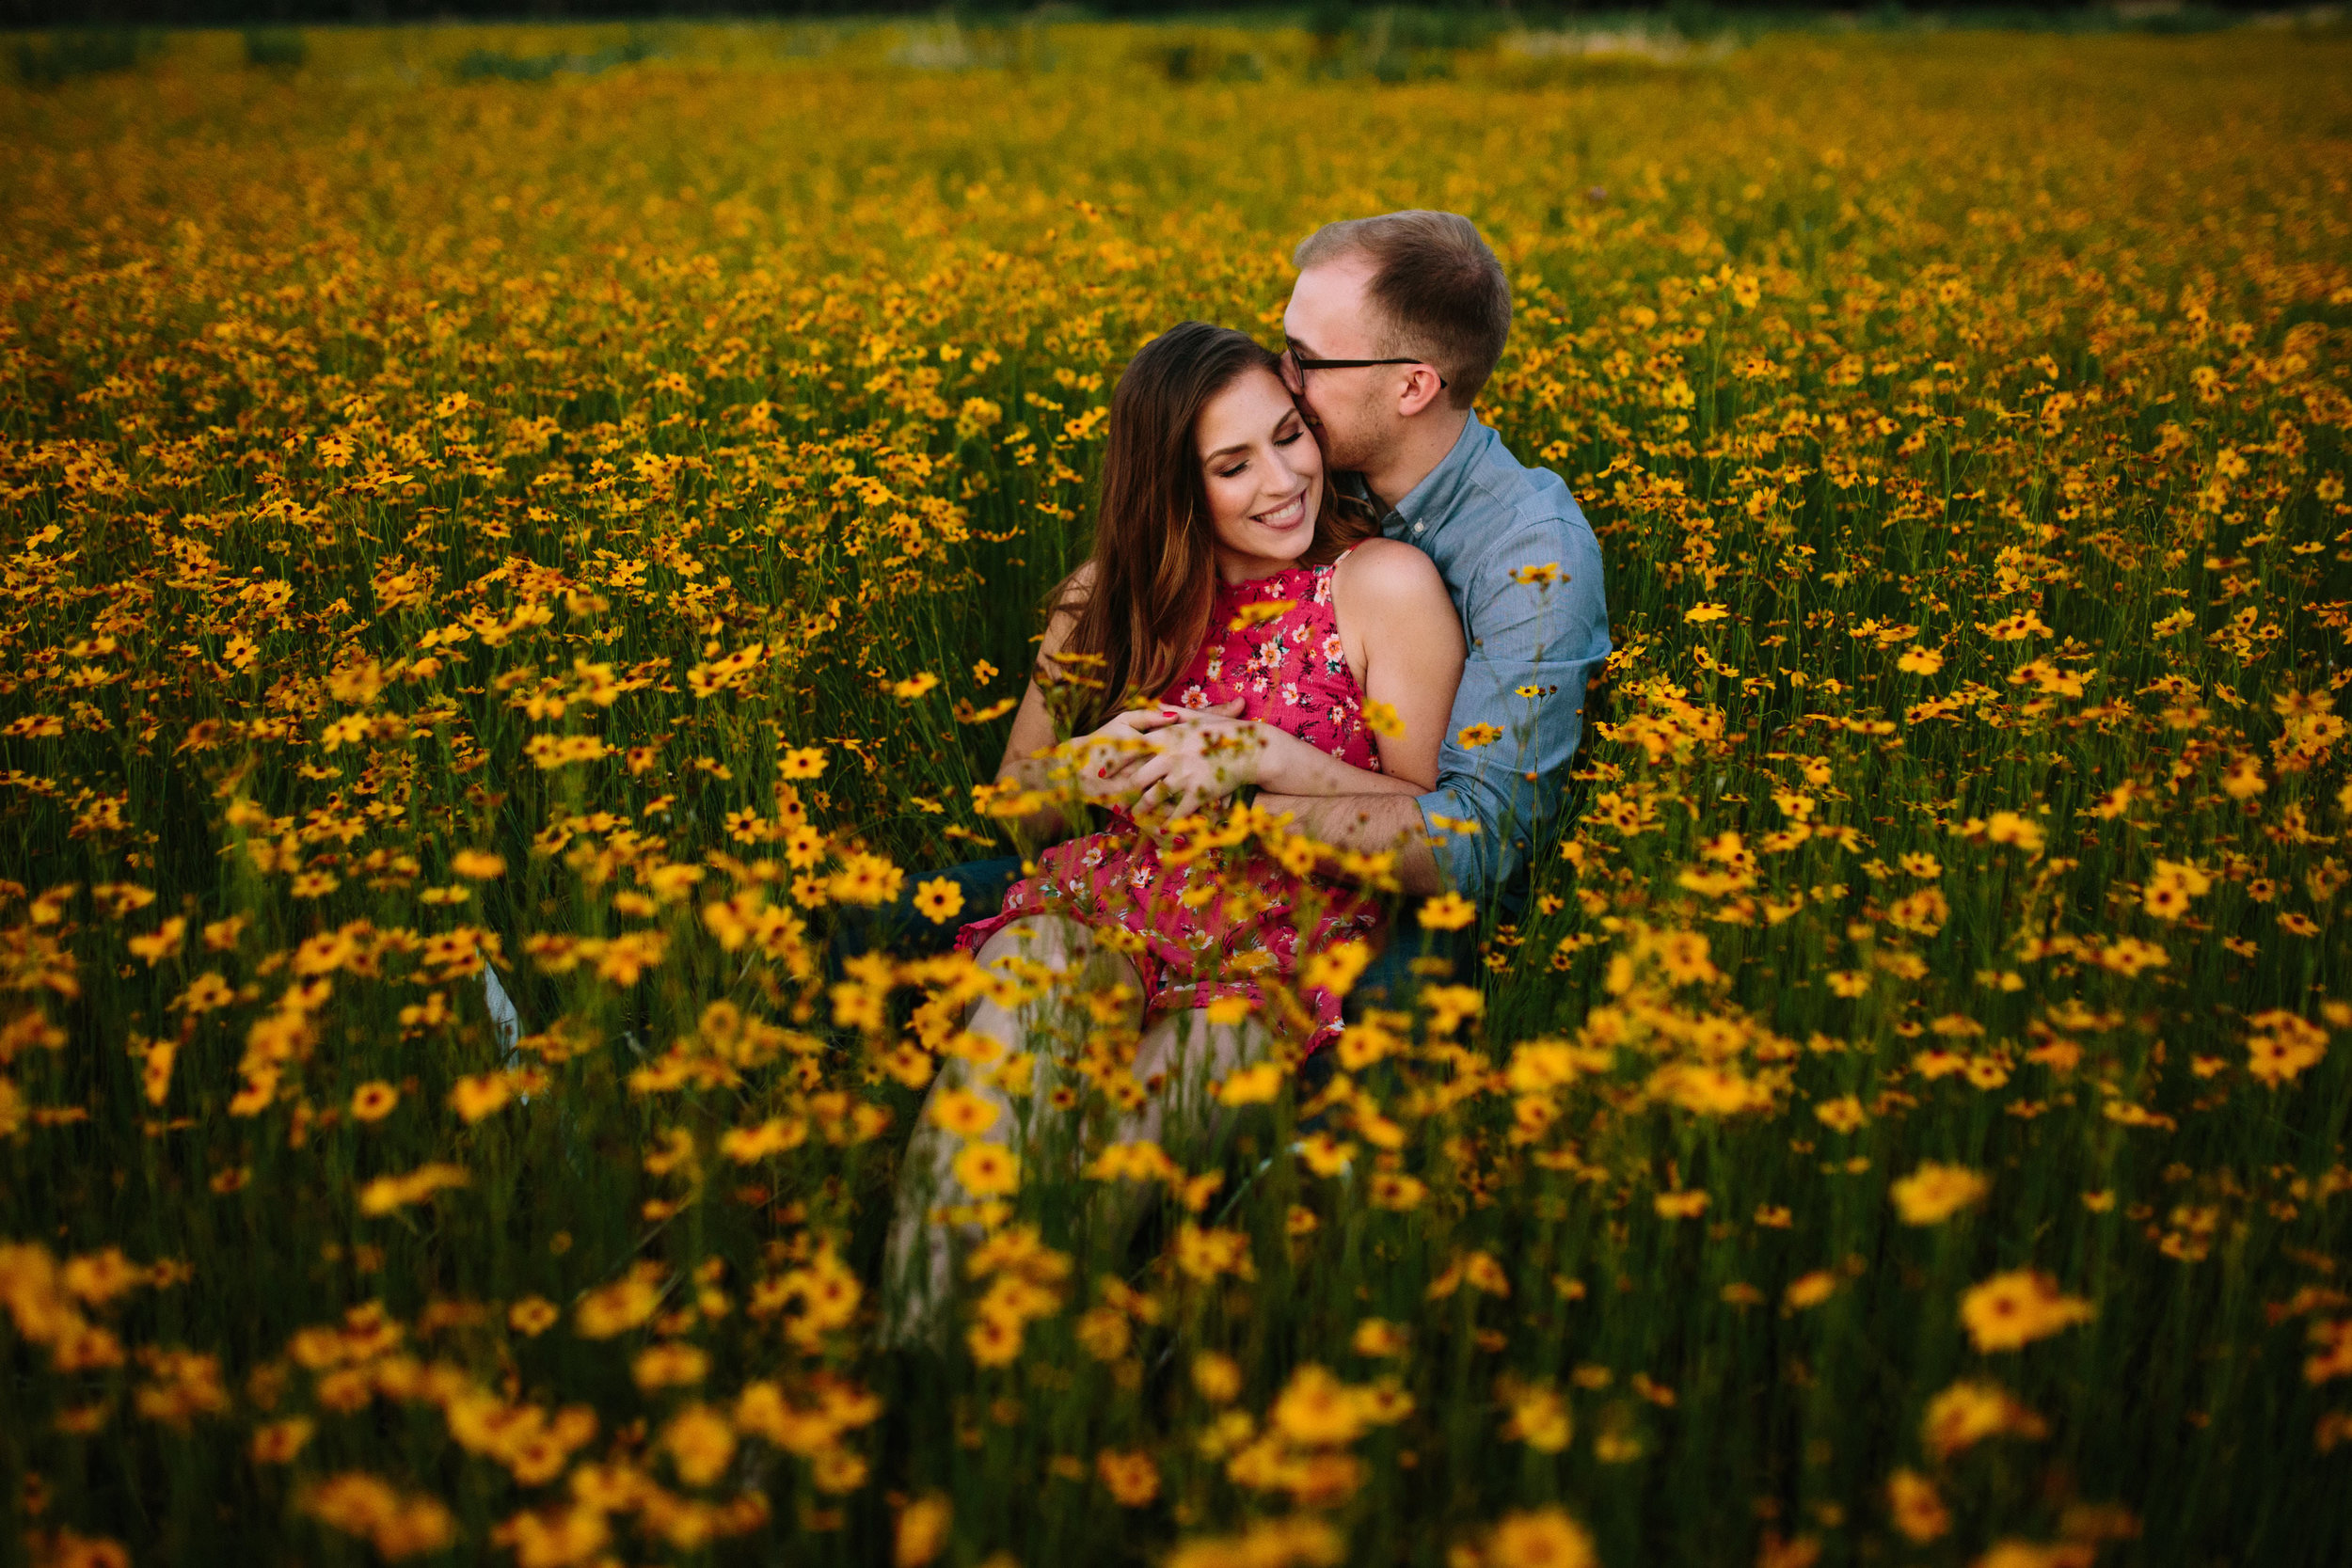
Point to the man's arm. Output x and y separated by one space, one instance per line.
1367 823
1545 636
1518 720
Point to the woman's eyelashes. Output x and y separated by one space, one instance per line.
1242 468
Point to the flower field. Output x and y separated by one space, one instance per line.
591 527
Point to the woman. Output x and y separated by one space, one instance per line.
1257 624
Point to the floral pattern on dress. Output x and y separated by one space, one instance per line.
1242 920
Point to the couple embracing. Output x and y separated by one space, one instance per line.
1324 578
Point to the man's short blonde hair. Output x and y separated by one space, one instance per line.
1437 285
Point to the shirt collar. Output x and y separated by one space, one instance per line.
1425 508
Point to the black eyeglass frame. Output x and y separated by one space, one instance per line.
1301 365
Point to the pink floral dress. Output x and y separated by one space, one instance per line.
1244 920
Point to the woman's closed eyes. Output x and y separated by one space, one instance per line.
1242 467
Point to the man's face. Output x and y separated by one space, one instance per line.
1331 317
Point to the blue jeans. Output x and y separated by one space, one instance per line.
901 929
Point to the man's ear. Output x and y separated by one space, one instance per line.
1421 391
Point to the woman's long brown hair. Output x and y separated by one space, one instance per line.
1155 556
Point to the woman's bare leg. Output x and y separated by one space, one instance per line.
919 1260
1184 1051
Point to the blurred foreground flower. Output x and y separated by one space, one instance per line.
2013 1309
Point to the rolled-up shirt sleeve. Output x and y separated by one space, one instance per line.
1533 649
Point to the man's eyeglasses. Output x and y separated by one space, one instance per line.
1295 366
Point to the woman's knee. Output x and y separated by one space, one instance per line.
1190 1043
1047 938
1060 944
1178 1060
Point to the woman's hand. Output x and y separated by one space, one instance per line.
1107 755
1205 754
1201 757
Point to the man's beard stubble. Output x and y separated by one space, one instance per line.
1347 446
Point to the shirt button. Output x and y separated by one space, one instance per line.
1418 526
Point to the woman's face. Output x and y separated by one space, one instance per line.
1264 474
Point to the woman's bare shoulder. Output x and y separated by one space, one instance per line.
1386 576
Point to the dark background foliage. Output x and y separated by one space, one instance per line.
1332 14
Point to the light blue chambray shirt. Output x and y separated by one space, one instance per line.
1481 515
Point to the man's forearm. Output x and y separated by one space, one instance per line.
1367 823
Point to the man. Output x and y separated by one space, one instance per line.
1394 324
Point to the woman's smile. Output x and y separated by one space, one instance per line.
1282 518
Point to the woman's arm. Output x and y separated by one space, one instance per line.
1029 760
1035 761
1412 664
